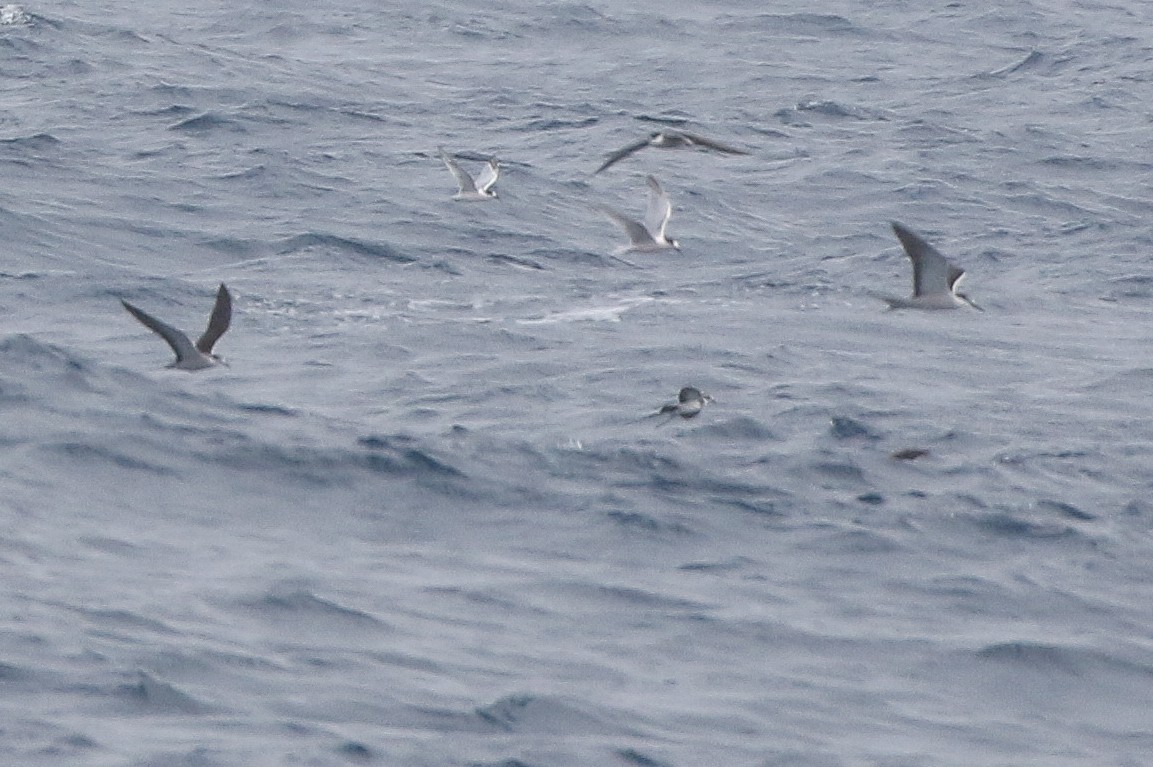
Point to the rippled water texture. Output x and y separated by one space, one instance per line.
422 518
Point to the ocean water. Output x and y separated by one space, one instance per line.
422 518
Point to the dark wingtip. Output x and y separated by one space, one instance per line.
910 240
224 297
218 322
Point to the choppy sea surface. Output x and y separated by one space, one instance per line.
422 518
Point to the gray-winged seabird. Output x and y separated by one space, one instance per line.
647 237
189 357
934 277
668 139
469 189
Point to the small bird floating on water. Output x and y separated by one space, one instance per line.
690 402
188 356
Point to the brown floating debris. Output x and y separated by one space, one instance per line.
909 454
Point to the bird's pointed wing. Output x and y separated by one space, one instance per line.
179 342
932 272
218 322
636 231
489 175
463 180
659 210
709 143
622 153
